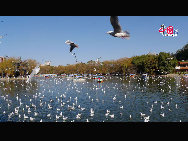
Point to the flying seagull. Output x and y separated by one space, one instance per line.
35 71
72 45
97 61
118 32
2 36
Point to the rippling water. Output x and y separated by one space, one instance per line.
118 99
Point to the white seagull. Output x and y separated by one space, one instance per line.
35 71
118 32
91 112
72 45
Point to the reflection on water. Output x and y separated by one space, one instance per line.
118 99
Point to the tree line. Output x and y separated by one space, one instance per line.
152 64
14 67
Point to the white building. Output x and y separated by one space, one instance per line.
47 63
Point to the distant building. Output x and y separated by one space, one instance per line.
47 63
182 67
1 59
151 53
48 75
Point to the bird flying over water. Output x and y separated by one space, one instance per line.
72 45
118 32
35 71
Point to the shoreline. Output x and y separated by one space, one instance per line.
25 78
18 78
174 75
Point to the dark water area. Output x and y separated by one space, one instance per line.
117 99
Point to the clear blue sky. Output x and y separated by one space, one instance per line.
43 37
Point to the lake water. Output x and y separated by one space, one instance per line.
117 99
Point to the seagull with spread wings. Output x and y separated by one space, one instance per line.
118 32
35 71
72 45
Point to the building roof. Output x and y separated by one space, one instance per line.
183 63
183 68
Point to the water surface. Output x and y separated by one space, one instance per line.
118 99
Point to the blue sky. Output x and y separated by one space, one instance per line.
43 37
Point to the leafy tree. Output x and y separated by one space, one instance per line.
13 67
145 63
126 66
182 54
166 63
7 67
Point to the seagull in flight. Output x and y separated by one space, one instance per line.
35 71
118 32
98 60
72 45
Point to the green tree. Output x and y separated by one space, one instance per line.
126 66
8 67
166 63
146 63
182 54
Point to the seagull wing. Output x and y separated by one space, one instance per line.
35 71
72 46
115 23
68 42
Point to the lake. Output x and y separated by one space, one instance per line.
117 99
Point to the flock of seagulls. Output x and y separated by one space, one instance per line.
118 99
118 32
